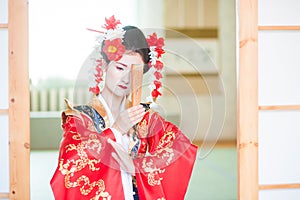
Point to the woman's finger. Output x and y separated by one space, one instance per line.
136 112
137 119
129 118
126 165
137 107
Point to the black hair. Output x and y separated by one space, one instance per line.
134 40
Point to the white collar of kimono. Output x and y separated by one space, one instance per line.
124 141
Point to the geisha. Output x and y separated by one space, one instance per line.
113 149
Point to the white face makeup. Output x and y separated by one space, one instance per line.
118 74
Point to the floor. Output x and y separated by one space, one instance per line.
214 176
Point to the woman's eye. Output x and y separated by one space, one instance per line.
120 68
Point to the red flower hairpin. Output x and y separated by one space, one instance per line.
113 48
97 74
156 51
111 23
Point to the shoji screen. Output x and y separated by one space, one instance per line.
269 99
14 100
279 99
4 155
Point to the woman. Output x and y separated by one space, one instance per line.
111 150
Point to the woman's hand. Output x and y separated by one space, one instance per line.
122 157
128 118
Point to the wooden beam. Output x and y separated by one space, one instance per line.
280 107
3 111
279 186
218 144
247 138
278 28
192 32
192 74
4 195
19 105
3 25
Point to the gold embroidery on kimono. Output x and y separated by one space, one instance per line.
70 167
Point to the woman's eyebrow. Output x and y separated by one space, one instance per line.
122 64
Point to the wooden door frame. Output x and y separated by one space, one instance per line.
247 118
18 110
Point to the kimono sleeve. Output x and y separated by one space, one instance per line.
85 168
165 172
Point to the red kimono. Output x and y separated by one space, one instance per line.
163 157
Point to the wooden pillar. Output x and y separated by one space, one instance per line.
19 103
247 141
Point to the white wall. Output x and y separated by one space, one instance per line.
279 72
227 52
59 40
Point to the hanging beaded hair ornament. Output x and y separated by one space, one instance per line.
112 36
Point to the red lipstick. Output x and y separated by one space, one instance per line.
123 86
